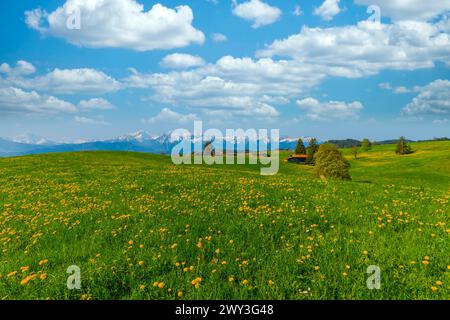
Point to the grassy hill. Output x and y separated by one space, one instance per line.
141 228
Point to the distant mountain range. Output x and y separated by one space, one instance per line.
143 141
140 141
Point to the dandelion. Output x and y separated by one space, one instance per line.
27 279
434 289
161 285
365 252
141 263
11 274
317 268
130 242
439 283
142 287
245 282
25 269
43 276
180 294
344 274
271 283
425 262
42 262
231 279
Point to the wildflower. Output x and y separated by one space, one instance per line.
42 262
245 282
141 246
231 279
347 267
142 287
365 252
271 283
317 268
25 269
180 294
344 274
141 263
43 276
434 289
161 285
27 279
11 274
425 262
439 283
130 242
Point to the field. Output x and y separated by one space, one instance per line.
141 228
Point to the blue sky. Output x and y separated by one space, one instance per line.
319 71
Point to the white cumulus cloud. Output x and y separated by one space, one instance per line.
433 99
21 68
181 61
16 100
167 115
409 9
328 9
119 24
367 48
69 81
317 110
256 11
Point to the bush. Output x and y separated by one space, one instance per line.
330 163
403 147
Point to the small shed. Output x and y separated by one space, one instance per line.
297 158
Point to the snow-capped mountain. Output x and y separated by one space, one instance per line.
28 138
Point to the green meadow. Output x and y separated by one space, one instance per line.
139 227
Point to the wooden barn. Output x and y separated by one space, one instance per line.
297 158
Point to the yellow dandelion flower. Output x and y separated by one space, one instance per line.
245 282
365 252
180 294
439 283
425 262
11 274
434 289
43 276
142 287
161 285
27 279
270 283
42 262
317 268
141 263
130 242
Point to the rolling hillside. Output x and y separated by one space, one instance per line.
139 227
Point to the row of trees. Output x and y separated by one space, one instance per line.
310 151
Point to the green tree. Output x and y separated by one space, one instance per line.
300 149
312 149
366 144
330 163
355 151
403 147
